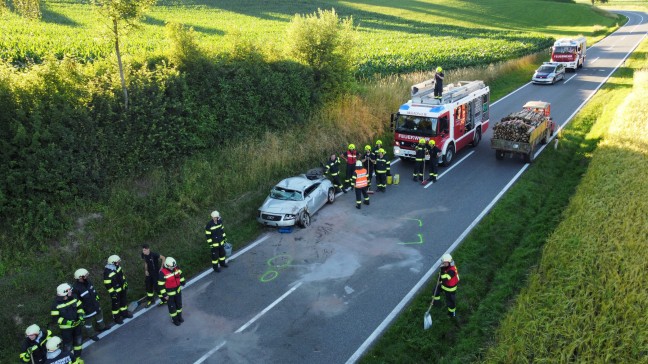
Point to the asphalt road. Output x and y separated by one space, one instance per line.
323 294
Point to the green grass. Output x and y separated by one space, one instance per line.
496 258
395 37
169 207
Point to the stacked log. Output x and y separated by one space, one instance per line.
517 127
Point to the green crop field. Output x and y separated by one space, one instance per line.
394 37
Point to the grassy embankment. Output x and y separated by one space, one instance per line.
235 178
571 235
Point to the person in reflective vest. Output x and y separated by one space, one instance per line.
216 237
360 183
56 355
333 169
369 161
419 157
435 153
117 286
85 291
350 156
33 348
382 170
67 312
170 282
448 280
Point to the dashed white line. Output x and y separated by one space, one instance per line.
569 79
209 353
594 60
449 169
268 308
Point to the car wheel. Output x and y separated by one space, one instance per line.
304 219
330 197
499 155
449 155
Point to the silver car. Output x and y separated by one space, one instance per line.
293 200
549 72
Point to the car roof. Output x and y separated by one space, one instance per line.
297 183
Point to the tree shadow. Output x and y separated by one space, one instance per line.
150 20
52 17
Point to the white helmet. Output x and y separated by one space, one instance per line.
81 272
215 214
63 289
113 259
358 164
446 258
169 262
53 343
32 330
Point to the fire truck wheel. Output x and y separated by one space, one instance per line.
449 155
476 137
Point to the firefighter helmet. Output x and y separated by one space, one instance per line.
367 147
32 330
378 142
53 343
439 69
81 272
421 141
114 259
215 214
169 263
381 151
358 164
432 142
351 146
446 258
63 289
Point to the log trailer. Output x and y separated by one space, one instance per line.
520 132
458 119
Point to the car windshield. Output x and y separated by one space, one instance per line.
564 49
546 69
279 193
417 125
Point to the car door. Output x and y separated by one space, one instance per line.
310 197
561 71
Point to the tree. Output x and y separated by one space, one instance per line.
325 43
122 15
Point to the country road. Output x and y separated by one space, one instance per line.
325 293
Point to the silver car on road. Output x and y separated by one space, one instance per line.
293 200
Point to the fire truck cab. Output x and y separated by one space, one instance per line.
458 119
570 52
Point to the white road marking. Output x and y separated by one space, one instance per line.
569 79
209 353
449 169
594 60
268 308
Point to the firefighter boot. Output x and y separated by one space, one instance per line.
127 314
176 321
118 319
224 264
180 317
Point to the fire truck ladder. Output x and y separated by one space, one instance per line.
422 92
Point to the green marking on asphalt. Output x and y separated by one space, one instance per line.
414 242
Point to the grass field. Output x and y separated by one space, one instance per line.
395 37
169 207
586 301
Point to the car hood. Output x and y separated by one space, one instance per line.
275 206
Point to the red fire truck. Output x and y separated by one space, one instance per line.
459 118
570 52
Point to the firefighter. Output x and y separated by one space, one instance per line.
67 312
86 293
435 153
117 286
152 264
369 161
33 348
438 82
382 170
333 169
216 237
360 183
56 355
170 282
419 157
378 146
350 156
448 280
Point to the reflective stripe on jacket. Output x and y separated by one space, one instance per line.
360 178
215 233
351 157
449 278
170 281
